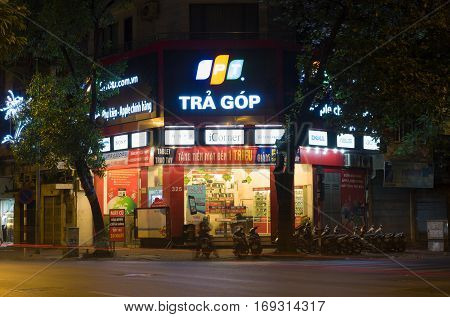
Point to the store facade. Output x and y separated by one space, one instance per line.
196 126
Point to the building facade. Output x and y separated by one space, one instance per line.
195 120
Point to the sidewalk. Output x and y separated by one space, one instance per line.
144 254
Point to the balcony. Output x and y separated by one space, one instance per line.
124 47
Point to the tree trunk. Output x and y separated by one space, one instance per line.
284 184
100 235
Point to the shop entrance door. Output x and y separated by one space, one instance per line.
52 220
332 201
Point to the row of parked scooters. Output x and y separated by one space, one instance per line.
243 244
334 242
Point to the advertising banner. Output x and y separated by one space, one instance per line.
408 175
217 155
122 190
117 225
129 158
353 197
196 199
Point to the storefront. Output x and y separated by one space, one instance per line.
206 145
7 219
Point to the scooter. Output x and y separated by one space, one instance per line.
205 246
254 242
240 245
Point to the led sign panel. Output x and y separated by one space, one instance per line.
139 139
120 142
179 137
134 90
224 137
371 143
106 142
226 82
267 136
345 141
319 138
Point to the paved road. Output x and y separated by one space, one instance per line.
374 277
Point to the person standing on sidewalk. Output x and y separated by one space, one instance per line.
4 222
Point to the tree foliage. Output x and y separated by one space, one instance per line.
12 27
62 123
386 62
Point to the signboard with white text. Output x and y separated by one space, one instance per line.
134 90
222 82
179 137
345 141
224 137
370 143
139 139
267 136
120 142
106 144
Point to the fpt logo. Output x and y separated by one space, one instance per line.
220 69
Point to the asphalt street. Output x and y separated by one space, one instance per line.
340 277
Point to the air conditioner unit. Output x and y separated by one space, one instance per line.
149 10
352 160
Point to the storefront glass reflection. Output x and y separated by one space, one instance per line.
229 197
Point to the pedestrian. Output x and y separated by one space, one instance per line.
4 221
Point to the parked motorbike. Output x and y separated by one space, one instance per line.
204 242
254 242
329 242
240 245
400 241
306 242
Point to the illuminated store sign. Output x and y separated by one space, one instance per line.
226 102
217 83
106 142
371 143
120 142
219 69
267 136
139 139
179 137
319 138
114 84
345 140
112 113
224 137
132 92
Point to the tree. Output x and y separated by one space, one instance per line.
12 26
64 93
385 62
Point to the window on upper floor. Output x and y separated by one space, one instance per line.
128 33
224 21
109 39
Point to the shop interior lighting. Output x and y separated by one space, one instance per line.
179 127
325 150
225 126
268 125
